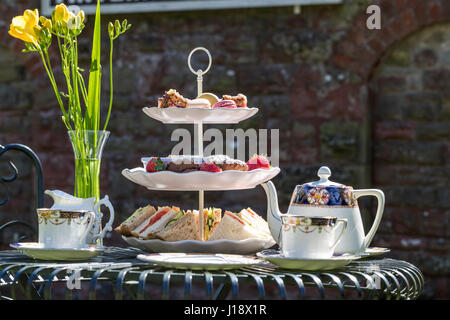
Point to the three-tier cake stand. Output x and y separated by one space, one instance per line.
200 181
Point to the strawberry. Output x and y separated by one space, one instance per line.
258 162
210 167
155 164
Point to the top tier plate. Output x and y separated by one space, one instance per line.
196 115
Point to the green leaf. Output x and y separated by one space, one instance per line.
93 108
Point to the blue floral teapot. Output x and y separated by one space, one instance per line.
325 198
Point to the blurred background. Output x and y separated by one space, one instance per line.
373 105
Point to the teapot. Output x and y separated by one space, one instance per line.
326 198
65 201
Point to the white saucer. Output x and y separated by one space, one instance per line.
278 259
35 250
199 261
374 251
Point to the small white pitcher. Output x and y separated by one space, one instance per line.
65 201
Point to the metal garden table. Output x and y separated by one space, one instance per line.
117 274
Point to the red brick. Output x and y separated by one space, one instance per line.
357 35
396 130
345 102
409 21
390 84
400 5
305 155
376 45
341 60
304 103
32 59
397 29
435 12
445 10
421 14
414 3
388 9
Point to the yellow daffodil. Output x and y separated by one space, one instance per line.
46 23
82 15
23 27
61 13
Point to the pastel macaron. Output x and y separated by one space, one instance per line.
230 104
198 103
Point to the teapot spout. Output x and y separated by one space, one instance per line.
273 212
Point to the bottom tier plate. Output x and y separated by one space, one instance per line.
247 246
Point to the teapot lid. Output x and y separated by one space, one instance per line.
323 192
324 173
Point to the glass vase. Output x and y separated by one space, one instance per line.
88 148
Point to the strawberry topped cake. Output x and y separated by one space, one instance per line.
258 162
188 163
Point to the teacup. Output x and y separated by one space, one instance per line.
66 229
310 237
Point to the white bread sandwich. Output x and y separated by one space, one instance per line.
255 220
136 219
212 218
155 223
234 227
184 226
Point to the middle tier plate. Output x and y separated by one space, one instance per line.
195 115
200 180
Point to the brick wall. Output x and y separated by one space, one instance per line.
370 104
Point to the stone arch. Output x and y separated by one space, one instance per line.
361 49
410 111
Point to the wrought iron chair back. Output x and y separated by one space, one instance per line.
4 194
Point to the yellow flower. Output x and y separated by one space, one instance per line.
23 27
82 15
61 13
74 22
47 23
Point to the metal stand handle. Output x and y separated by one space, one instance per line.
199 128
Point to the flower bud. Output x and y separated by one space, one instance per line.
111 29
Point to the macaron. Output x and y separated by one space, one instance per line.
211 97
230 104
198 103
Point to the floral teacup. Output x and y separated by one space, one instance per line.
310 237
63 228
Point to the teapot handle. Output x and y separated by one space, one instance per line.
380 208
108 226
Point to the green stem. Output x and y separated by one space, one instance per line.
111 87
83 88
48 69
74 67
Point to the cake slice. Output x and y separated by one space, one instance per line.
172 98
240 100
